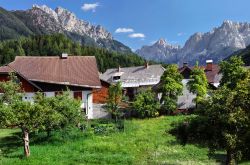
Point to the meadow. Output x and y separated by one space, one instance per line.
144 141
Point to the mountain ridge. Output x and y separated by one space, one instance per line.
216 44
41 20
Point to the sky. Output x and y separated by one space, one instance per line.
142 22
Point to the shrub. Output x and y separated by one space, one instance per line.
104 127
146 105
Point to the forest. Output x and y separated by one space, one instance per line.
56 44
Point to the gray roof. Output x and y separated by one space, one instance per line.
135 76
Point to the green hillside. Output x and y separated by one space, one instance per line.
16 24
244 54
11 27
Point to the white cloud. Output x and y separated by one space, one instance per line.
137 35
90 6
181 34
124 30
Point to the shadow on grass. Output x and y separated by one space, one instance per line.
218 157
57 137
10 144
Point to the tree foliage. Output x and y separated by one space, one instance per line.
114 99
146 105
198 84
232 72
43 114
171 87
60 111
223 119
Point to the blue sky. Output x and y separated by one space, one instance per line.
148 20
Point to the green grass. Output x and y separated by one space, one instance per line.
142 142
7 132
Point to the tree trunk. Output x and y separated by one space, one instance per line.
26 142
116 118
230 158
48 133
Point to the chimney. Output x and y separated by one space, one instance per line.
185 64
64 56
209 66
146 65
119 68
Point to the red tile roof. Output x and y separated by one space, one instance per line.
75 70
211 74
5 69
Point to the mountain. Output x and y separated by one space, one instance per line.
244 54
11 27
160 51
56 44
217 44
43 20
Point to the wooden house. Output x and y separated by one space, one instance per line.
54 74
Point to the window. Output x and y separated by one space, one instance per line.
116 78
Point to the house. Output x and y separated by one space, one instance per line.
134 79
54 74
100 97
211 70
185 101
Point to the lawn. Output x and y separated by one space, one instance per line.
142 142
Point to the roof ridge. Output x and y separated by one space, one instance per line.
137 66
49 56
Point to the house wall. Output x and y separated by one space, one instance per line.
52 89
86 100
29 96
25 85
100 95
185 101
49 94
88 103
133 91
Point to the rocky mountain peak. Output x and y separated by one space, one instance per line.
164 44
62 19
161 42
216 44
45 9
41 19
227 22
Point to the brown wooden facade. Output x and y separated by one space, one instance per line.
100 95
25 85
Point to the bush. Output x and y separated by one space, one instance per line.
146 105
105 127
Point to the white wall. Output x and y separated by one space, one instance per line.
87 99
49 94
185 101
28 97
